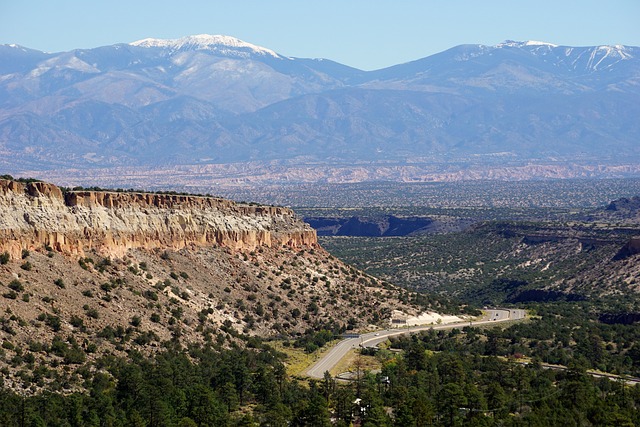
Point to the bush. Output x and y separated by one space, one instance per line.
150 295
93 313
4 258
76 321
103 264
59 283
16 285
10 295
25 253
53 322
27 266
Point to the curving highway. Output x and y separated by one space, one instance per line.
372 339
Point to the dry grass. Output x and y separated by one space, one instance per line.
350 362
298 361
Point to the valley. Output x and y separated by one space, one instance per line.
200 231
106 294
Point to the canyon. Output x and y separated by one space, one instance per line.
85 274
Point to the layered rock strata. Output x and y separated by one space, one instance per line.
37 215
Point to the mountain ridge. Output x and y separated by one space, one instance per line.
217 100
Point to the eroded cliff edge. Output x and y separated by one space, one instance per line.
37 214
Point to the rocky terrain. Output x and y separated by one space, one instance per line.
38 214
84 274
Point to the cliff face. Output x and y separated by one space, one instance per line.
38 214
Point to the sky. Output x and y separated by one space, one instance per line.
366 34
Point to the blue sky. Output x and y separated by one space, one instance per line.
366 34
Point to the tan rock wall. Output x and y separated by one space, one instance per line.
38 214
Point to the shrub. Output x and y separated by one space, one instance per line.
59 283
16 285
76 321
53 322
103 264
93 313
10 295
4 258
25 253
150 295
27 266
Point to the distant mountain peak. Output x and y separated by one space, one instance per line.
512 43
215 43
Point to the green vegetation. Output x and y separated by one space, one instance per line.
22 180
207 386
497 262
242 387
553 262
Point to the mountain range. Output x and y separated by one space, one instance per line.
204 101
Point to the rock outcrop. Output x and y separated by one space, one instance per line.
631 248
37 215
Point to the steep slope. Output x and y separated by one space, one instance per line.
38 214
87 274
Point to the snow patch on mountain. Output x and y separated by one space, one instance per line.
225 45
537 43
512 43
64 62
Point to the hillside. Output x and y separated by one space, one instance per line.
84 274
509 262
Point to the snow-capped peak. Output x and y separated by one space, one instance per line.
511 43
215 43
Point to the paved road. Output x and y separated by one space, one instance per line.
372 339
614 377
